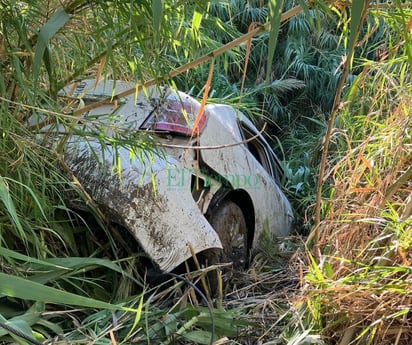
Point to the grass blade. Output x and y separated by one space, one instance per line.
275 8
9 204
138 312
355 22
54 24
17 287
157 10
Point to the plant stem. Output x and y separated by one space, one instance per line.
327 138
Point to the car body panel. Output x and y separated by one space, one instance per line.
154 197
243 170
151 210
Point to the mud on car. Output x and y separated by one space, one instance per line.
215 187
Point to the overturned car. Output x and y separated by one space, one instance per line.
215 186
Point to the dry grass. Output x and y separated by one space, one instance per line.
362 274
266 291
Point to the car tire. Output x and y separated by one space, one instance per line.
229 222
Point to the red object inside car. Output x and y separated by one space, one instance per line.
177 116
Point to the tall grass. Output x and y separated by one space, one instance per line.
59 268
359 289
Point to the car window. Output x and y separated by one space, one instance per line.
263 154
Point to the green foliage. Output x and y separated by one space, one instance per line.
31 287
181 322
295 92
51 258
310 54
275 12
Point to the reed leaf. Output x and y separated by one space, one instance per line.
47 31
17 287
275 11
357 10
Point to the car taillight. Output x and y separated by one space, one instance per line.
177 114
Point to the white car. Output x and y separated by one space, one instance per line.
215 189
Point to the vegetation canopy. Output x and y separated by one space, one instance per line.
333 81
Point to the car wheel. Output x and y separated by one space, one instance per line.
229 222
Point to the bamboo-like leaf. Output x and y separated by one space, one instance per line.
355 22
137 317
15 255
54 24
275 9
17 287
198 337
10 207
32 194
30 317
54 327
157 11
19 325
59 266
317 272
196 20
226 322
65 267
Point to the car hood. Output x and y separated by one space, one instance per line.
155 108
